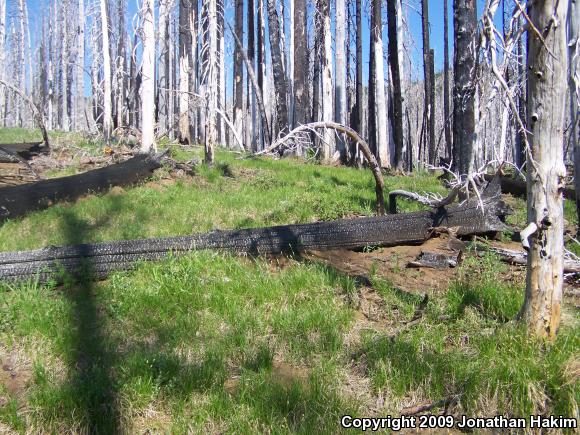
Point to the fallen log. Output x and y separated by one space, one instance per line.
102 258
519 187
16 201
520 258
26 150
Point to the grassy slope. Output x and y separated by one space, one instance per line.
221 343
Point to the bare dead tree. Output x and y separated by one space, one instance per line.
547 54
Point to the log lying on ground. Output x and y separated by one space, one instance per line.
101 258
18 200
25 150
519 187
517 257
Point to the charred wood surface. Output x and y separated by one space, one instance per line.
101 258
25 150
17 201
518 187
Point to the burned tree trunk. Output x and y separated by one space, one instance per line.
465 30
19 200
239 68
280 84
103 258
446 109
428 110
395 73
301 100
545 167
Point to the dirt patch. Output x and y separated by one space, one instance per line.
15 375
391 264
281 373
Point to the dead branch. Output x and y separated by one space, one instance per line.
37 113
353 135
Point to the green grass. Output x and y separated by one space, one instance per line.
261 192
211 342
468 346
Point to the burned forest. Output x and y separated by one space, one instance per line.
289 216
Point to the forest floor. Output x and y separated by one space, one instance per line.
213 342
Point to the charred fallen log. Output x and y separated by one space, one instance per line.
17 201
25 150
519 187
102 258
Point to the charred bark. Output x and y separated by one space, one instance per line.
396 77
280 84
19 200
25 150
102 258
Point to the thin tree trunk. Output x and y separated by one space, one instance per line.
80 80
545 168
261 60
251 96
163 70
148 79
185 11
107 103
340 82
359 112
429 110
300 54
465 30
396 80
318 30
280 84
574 88
239 69
328 141
446 109
380 111
2 61
211 81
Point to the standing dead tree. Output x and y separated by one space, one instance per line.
547 54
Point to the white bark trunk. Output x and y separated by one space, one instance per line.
107 98
163 79
545 167
211 85
80 80
381 105
64 71
2 61
148 79
291 67
328 144
340 56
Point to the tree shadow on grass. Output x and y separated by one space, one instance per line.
91 384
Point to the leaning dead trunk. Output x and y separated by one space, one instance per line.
545 167
102 258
